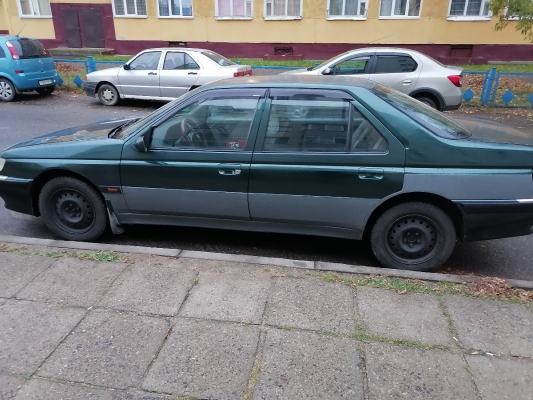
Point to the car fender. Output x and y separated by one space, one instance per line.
435 93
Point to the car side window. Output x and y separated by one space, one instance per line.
353 66
210 123
2 53
319 124
178 60
146 61
395 64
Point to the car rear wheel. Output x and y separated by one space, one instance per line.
413 236
72 209
7 90
46 91
108 95
428 101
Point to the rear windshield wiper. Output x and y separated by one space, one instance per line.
113 132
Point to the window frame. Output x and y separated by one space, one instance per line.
175 16
464 17
400 16
115 15
233 18
40 16
357 17
281 18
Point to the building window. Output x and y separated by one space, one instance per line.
34 8
283 9
129 8
233 9
175 8
400 8
470 9
347 8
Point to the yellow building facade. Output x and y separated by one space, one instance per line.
310 29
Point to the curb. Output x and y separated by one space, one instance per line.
280 262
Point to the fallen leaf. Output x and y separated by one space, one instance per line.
402 292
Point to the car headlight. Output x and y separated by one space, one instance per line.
2 163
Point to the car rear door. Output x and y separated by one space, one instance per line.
396 70
322 162
198 161
179 72
142 77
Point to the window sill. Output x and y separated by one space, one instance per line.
458 18
130 16
282 18
234 18
397 17
349 18
35 16
174 17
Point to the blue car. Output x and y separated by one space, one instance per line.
25 65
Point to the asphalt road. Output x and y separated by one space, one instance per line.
32 116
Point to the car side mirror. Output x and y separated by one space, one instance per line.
142 143
327 71
126 67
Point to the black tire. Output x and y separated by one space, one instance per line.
108 95
7 90
428 101
46 91
72 209
413 236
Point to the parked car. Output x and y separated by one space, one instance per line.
407 71
331 156
161 74
25 65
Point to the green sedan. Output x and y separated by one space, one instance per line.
308 155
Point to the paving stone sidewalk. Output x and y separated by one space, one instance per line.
134 326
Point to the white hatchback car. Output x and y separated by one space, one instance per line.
407 71
161 74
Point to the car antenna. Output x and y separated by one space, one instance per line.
21 30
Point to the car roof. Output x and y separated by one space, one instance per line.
294 81
177 48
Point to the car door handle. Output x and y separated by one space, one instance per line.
152 73
229 169
371 174
407 82
193 73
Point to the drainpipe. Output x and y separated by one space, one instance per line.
5 6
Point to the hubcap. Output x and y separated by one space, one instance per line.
108 95
72 211
413 239
5 90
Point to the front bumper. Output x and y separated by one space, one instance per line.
90 88
496 219
17 194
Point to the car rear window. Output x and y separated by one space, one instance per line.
433 120
220 60
28 48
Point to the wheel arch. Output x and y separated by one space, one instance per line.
432 94
47 176
99 84
451 209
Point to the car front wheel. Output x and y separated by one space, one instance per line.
72 209
413 236
7 90
108 95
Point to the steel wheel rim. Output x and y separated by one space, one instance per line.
5 90
72 211
108 95
413 239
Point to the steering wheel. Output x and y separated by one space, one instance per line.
187 127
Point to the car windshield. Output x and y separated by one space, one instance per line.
28 48
146 119
220 60
434 120
328 61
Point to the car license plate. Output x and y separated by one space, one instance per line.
45 82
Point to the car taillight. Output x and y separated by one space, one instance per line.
12 51
242 73
457 80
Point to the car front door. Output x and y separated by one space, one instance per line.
142 76
198 160
178 74
322 161
399 71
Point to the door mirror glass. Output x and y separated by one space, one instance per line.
126 67
142 143
327 71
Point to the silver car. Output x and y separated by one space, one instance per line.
407 71
161 74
